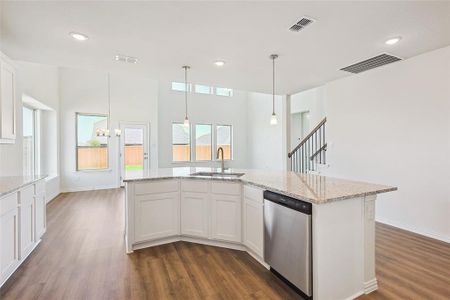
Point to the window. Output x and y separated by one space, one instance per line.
203 142
224 92
223 136
181 147
92 150
181 87
203 89
29 141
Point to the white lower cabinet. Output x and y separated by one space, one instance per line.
9 236
26 213
253 222
194 208
157 210
226 211
22 223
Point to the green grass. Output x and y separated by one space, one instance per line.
133 167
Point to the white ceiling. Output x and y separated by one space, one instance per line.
166 35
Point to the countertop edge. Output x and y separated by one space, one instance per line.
15 189
272 189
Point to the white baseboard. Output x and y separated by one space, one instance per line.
427 233
88 188
370 286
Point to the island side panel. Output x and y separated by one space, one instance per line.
370 280
338 249
129 216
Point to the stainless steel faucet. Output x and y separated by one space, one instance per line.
217 157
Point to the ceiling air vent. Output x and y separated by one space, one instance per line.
371 63
301 24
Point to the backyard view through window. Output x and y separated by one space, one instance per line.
181 150
203 142
92 150
223 133
134 149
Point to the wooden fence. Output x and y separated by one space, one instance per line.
203 152
91 158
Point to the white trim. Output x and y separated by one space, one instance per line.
88 188
412 228
370 286
354 296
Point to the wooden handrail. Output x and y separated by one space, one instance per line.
323 148
308 136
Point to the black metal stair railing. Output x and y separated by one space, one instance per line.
310 151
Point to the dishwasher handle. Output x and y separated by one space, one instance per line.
289 202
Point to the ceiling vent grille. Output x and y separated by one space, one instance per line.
371 63
305 21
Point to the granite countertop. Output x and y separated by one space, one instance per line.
9 184
315 189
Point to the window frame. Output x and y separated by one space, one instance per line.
107 169
195 142
231 140
211 89
35 140
220 88
190 143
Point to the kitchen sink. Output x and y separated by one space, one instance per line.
218 174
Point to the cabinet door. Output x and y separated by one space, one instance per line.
156 216
194 214
26 216
253 227
226 217
40 215
7 101
9 236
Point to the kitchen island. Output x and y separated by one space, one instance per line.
173 204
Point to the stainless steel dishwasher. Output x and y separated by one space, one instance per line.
287 240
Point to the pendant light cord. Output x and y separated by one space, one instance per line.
109 99
273 85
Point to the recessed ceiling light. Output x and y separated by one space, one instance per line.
219 63
78 36
393 41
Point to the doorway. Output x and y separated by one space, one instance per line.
134 155
299 127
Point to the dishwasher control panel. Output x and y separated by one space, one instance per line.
289 202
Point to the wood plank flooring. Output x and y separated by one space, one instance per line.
82 256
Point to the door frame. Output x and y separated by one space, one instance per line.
146 143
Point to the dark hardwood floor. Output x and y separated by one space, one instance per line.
82 256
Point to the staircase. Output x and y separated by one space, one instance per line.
311 151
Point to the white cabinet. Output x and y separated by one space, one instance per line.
156 210
7 101
9 236
253 223
40 209
194 208
26 215
226 211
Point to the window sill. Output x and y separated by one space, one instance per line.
93 171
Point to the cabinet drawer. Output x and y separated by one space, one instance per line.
197 186
39 187
8 203
226 188
156 187
253 193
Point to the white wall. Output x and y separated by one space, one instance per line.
265 143
311 100
202 109
132 99
391 125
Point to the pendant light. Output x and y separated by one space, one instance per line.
186 119
273 119
105 131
